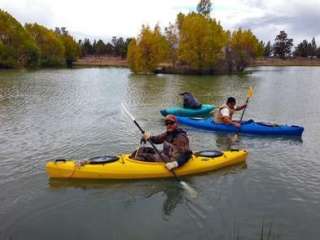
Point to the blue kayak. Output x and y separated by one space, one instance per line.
248 127
188 112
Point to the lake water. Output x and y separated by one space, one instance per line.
50 114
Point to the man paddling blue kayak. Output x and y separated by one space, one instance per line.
225 112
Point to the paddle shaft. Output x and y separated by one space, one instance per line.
238 131
155 148
247 101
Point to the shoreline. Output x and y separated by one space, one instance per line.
109 61
277 62
101 61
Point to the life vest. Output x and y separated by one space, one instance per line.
218 116
169 148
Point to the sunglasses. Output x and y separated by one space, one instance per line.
169 123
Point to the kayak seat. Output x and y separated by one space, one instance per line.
209 153
60 160
191 107
103 159
234 150
248 121
268 124
197 118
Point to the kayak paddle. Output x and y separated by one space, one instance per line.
186 186
249 95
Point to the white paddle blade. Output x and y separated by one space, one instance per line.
193 193
127 111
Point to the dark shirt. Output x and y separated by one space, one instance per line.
190 101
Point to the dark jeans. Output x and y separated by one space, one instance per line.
148 154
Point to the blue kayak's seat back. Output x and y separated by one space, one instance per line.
248 121
265 124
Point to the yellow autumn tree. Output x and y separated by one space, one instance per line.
51 47
17 47
72 48
148 51
134 57
244 47
260 49
172 37
202 41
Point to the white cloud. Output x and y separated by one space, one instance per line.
27 11
97 17
106 18
267 18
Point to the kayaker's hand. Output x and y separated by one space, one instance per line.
146 136
241 107
236 124
143 141
172 165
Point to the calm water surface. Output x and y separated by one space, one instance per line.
52 114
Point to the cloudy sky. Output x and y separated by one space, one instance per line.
106 18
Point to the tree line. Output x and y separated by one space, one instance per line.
118 47
34 45
283 45
196 43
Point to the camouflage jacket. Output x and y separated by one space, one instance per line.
175 143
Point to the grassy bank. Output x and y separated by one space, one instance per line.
101 61
108 61
288 62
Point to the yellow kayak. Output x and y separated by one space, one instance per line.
123 167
